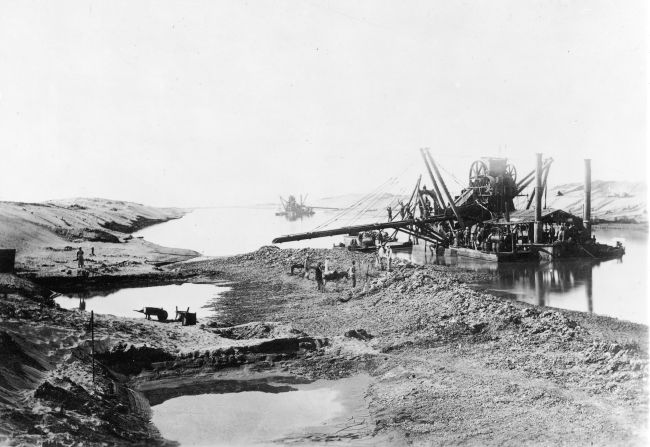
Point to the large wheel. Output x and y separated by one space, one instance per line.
512 172
477 173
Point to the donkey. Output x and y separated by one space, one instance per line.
161 314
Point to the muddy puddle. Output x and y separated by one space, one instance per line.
200 298
270 410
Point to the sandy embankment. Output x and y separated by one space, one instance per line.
47 235
450 365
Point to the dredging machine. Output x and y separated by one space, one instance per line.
482 222
292 209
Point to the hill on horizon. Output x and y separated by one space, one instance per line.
610 200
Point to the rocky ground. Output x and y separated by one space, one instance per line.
453 365
448 365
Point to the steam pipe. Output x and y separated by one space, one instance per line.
587 215
538 199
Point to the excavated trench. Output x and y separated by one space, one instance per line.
244 394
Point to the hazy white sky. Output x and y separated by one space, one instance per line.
210 102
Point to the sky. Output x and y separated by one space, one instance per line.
198 103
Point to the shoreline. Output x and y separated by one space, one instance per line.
435 348
462 338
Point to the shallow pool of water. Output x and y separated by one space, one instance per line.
318 411
199 298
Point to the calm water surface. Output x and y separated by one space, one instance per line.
264 418
123 302
616 288
230 231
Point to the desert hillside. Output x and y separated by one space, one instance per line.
29 225
610 200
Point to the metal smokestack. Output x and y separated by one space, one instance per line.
538 199
587 212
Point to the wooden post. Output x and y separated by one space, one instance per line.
545 169
538 200
444 187
544 187
92 339
587 212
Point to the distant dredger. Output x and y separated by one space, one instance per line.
292 209
482 221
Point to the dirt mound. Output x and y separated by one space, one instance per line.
359 334
258 330
18 369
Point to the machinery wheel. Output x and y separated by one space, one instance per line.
478 174
512 172
162 316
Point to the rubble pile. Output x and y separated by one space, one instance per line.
258 329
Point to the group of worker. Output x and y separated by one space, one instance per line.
384 257
481 237
424 205
367 239
503 238
403 211
383 261
322 271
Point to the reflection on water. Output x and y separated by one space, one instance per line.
260 418
292 217
123 302
617 287
230 231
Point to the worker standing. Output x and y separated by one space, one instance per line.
381 253
319 277
389 257
551 233
80 258
389 210
305 270
353 274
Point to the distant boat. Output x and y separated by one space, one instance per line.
292 209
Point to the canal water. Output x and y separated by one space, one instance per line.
200 298
324 410
230 231
615 288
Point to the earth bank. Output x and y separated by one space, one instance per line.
450 365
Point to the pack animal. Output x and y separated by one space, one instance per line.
335 275
159 313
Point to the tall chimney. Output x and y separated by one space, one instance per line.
587 212
538 200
